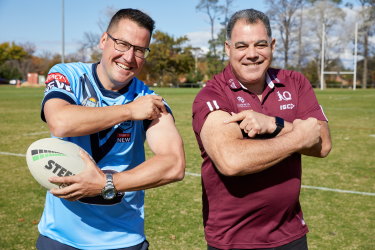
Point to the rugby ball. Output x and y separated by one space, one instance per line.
53 157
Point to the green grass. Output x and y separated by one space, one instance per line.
173 212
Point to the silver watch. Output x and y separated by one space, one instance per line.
109 191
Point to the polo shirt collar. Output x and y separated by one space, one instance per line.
271 80
234 84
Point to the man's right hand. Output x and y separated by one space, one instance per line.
307 132
146 107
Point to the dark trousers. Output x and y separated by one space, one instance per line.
300 244
45 243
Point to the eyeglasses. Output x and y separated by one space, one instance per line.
124 46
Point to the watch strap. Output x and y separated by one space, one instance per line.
279 126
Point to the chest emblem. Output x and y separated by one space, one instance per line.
90 102
285 96
242 103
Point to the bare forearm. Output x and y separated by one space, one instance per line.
234 155
248 156
67 120
76 120
157 171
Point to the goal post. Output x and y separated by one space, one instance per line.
354 72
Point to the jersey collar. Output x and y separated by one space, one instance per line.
234 84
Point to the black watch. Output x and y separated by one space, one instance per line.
109 191
279 126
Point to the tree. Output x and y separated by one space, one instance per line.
169 59
366 16
285 21
213 10
89 49
325 13
10 54
11 51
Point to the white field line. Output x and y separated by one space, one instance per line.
12 154
37 133
313 187
303 186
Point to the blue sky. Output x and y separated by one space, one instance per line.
39 21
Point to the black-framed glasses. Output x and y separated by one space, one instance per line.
124 46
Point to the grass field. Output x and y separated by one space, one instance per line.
173 213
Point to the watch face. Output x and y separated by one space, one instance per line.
109 194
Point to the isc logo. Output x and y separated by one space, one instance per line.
287 106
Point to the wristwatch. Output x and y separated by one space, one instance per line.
109 191
279 126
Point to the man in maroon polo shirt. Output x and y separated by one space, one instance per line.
252 124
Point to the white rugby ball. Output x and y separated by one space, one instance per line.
53 157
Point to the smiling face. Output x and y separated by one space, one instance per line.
116 69
250 53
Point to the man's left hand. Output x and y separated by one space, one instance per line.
88 183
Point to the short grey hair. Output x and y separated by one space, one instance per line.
250 16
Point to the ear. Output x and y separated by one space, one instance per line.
273 44
227 48
102 40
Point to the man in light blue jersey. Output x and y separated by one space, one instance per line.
106 110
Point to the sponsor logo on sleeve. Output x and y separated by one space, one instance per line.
57 80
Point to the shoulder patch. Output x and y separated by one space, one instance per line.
57 80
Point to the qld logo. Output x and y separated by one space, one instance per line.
285 96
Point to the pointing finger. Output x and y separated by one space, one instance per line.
234 118
160 105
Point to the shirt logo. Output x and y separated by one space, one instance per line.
124 137
285 96
287 106
232 83
90 102
240 99
57 80
126 125
242 103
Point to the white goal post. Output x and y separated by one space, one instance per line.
354 72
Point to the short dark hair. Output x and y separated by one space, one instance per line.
250 16
141 18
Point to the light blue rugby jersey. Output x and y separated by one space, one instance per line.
98 226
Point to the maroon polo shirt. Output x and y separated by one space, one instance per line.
260 210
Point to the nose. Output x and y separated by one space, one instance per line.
129 54
251 53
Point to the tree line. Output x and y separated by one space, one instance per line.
297 26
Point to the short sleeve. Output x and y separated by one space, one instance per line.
209 99
308 103
58 85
